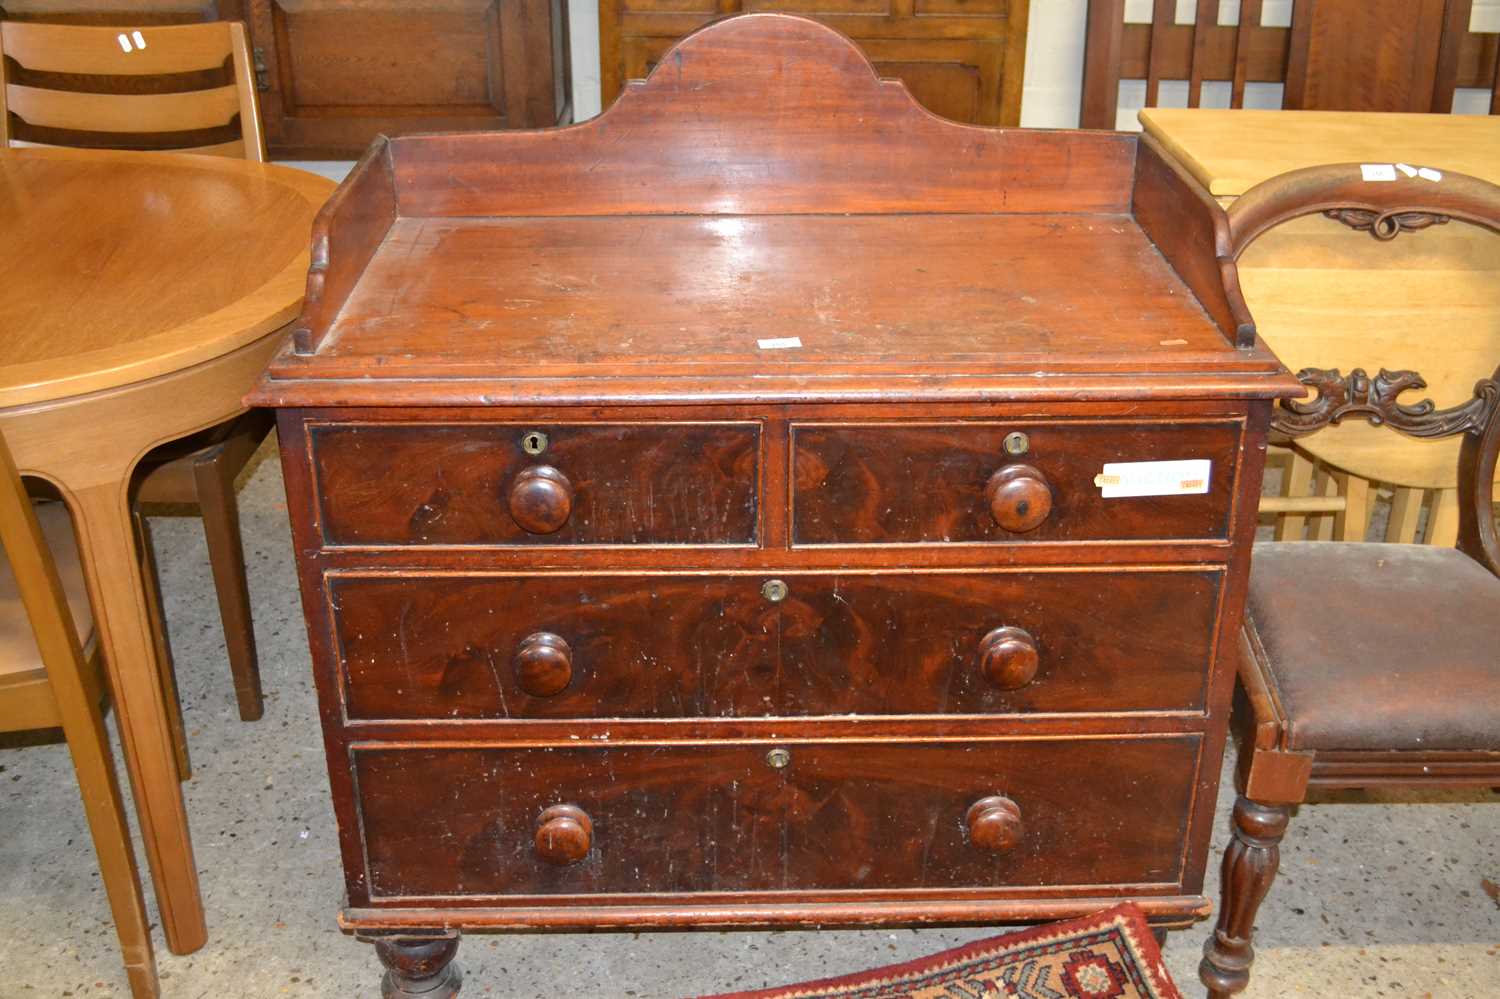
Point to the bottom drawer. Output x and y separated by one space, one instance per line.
773 816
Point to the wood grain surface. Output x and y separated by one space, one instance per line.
437 647
720 818
104 257
641 483
594 296
909 484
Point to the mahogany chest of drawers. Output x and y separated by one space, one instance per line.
768 504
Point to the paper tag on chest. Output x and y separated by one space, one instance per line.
1154 478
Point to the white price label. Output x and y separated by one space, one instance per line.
780 343
1154 478
1377 171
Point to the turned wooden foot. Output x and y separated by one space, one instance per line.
419 967
1249 867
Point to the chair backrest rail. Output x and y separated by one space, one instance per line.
114 52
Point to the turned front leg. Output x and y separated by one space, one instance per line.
1249 867
419 967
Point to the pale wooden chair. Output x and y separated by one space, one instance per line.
50 677
36 60
47 55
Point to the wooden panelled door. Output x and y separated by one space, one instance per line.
339 72
962 59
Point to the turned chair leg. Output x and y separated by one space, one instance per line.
1249 867
419 967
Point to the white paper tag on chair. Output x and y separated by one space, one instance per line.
1154 478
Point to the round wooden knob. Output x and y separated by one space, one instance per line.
564 835
994 823
543 664
1019 498
541 499
1008 657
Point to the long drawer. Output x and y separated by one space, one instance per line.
541 484
493 645
761 816
903 483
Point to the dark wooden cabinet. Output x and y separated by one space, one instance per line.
962 59
333 74
761 505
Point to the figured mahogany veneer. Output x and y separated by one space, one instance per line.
718 817
476 484
933 483
699 519
422 646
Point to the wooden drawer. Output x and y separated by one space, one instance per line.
926 483
723 817
479 484
678 646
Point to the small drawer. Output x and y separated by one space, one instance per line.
795 644
537 484
773 816
994 482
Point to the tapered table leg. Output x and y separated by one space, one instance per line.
107 534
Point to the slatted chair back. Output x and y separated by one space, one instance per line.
1338 55
57 102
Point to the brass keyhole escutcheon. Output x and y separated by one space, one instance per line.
778 758
774 590
1016 443
533 442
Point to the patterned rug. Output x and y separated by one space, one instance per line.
1109 955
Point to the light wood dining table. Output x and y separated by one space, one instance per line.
1327 296
140 296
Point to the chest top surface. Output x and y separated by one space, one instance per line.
763 219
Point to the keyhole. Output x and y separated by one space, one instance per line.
778 758
534 442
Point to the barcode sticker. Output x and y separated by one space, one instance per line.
1377 171
1154 478
780 343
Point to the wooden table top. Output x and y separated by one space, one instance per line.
122 266
1232 151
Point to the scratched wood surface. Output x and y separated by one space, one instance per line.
574 297
668 238
553 681
877 484
447 484
420 646
718 818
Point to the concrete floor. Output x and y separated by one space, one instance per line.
1371 901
